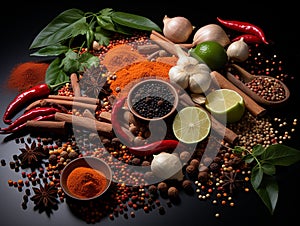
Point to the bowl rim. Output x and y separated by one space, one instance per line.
71 166
139 83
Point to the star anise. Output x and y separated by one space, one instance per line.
231 181
94 82
31 154
45 196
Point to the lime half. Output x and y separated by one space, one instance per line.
225 103
191 125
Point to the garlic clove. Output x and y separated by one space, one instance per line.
200 81
166 166
238 51
211 32
177 29
178 76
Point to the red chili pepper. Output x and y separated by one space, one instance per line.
116 124
248 38
147 149
155 147
20 127
244 27
23 98
29 115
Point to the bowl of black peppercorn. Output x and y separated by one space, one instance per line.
152 99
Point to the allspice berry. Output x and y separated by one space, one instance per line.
203 176
195 162
173 192
162 187
190 169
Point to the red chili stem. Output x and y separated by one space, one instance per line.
248 38
22 126
244 27
30 115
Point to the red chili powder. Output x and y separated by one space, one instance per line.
25 75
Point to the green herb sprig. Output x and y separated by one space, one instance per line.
263 175
65 36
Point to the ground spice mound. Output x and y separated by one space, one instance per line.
86 182
120 56
129 75
25 75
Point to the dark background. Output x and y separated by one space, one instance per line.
21 21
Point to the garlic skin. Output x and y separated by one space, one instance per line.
238 51
211 32
177 29
190 73
167 166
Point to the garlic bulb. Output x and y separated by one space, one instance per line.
190 73
167 166
177 29
211 32
238 50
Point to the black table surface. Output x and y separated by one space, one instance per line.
21 22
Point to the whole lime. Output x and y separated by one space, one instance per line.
210 52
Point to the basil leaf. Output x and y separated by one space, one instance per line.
268 169
134 21
88 60
256 176
258 150
55 74
53 50
281 155
268 192
59 29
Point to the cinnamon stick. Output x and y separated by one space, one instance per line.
85 122
75 85
167 44
68 103
84 99
254 108
47 126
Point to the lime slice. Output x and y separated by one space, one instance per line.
225 103
191 125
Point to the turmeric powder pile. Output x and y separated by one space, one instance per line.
129 75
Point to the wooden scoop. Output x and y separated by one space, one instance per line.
246 77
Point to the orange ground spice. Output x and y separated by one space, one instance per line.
85 182
129 75
25 75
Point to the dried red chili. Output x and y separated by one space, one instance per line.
155 147
147 149
33 93
248 38
33 114
244 27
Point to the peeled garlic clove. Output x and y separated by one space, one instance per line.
198 98
238 50
177 29
211 32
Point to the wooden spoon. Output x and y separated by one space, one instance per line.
246 77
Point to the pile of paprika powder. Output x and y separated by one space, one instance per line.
85 182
